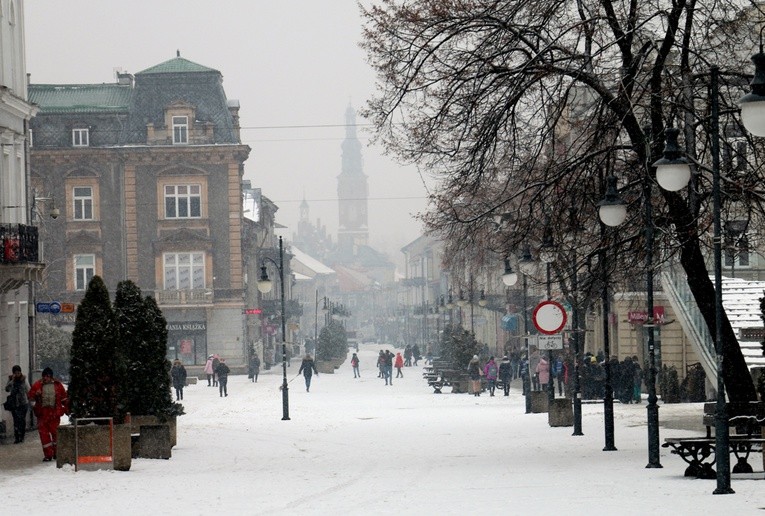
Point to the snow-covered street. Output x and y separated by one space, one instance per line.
356 446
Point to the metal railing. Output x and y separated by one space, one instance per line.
690 318
19 243
201 296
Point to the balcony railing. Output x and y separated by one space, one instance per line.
18 244
200 296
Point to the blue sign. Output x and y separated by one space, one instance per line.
54 307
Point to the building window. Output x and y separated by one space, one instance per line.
83 202
31 140
180 130
80 137
183 201
184 271
84 270
737 247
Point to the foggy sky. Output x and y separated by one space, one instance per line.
294 65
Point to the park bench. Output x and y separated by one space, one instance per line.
441 373
746 418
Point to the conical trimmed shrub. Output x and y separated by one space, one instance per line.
97 364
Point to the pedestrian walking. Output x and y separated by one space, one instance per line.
308 368
490 371
388 367
506 374
254 368
381 365
543 373
408 355
178 374
50 403
416 355
475 372
17 403
209 370
222 371
398 365
215 364
637 380
355 366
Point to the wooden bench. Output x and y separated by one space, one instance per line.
699 452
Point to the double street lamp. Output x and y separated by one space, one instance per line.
264 286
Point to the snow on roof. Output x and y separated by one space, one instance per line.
309 261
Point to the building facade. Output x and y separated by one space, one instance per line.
20 265
147 172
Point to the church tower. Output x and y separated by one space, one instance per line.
352 192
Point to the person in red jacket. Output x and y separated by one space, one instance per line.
398 365
51 402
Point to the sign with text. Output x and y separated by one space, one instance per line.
549 342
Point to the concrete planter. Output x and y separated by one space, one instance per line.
152 438
325 367
561 412
136 422
538 402
94 440
329 366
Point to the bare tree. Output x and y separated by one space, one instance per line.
524 107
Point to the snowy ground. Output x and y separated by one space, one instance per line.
356 446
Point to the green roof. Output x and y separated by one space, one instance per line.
80 98
177 65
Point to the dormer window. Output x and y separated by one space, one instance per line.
80 137
180 130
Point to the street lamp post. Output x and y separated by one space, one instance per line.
265 285
681 171
526 266
612 212
652 410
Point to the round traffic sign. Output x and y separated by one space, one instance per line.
55 307
549 317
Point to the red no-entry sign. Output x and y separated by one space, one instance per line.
549 317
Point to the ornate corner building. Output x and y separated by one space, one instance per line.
147 172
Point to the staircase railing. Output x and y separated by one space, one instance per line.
688 314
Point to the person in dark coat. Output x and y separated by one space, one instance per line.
505 374
222 372
18 388
254 369
215 364
178 374
308 367
416 356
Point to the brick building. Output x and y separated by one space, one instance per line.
147 173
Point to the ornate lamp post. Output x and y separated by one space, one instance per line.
265 285
612 211
677 172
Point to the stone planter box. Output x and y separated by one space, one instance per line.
94 440
150 440
561 412
329 366
539 401
325 367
